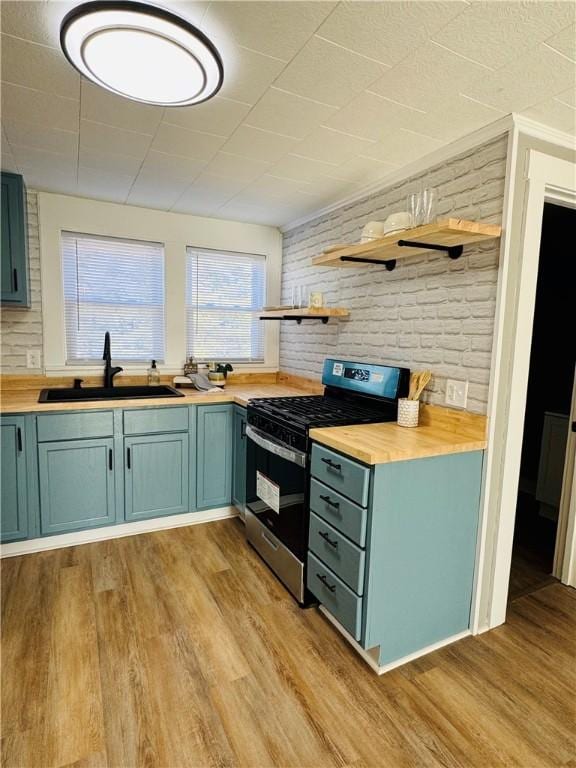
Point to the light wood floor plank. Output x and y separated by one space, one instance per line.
179 649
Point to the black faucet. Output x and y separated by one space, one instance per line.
109 370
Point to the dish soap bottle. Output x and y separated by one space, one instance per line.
153 375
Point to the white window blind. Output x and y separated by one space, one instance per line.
113 285
223 292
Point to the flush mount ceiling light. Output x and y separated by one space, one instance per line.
142 52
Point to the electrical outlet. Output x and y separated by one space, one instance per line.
33 358
456 393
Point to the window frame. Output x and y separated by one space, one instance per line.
58 213
231 254
79 362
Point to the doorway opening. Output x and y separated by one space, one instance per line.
547 413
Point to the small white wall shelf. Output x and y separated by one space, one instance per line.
305 313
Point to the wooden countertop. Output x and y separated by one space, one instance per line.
26 401
441 431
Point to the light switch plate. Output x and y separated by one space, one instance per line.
456 393
33 358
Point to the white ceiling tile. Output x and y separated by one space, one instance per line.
45 109
38 137
331 146
242 168
51 180
361 170
109 162
8 161
247 73
275 186
36 66
105 138
430 74
493 33
207 193
30 20
166 166
151 192
554 114
301 168
103 185
454 116
525 81
402 147
179 141
288 114
40 161
278 29
371 117
564 42
258 144
327 188
101 106
329 73
567 97
387 31
219 116
269 213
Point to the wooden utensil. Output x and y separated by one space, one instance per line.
418 382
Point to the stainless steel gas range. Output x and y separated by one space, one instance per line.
278 458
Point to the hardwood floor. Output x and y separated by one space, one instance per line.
180 649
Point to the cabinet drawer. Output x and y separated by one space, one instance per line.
342 474
147 421
335 596
339 511
74 426
343 557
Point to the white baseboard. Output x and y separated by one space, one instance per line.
115 531
369 656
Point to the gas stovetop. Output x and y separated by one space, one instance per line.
306 412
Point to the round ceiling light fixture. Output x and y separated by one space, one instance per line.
142 52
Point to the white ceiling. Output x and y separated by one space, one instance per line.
319 100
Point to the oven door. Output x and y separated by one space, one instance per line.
276 489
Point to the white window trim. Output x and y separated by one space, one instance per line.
58 213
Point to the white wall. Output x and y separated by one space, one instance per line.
175 231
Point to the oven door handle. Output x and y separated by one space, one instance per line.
279 449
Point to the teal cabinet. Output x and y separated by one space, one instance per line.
13 255
214 455
239 460
77 484
14 499
156 475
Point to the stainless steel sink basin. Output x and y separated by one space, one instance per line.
85 394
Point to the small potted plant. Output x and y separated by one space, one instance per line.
219 372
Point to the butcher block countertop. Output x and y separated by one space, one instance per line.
441 431
20 393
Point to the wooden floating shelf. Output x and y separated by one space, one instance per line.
449 235
304 313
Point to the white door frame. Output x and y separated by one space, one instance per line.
546 179
565 550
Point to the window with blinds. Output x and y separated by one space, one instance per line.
113 285
223 292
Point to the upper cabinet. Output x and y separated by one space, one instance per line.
14 256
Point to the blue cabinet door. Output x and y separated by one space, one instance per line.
156 475
239 460
214 451
14 509
76 484
13 256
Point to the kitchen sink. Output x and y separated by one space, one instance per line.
86 394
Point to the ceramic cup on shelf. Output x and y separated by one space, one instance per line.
408 412
397 222
372 231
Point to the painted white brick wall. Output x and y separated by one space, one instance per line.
430 312
22 328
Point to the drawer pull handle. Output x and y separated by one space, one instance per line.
333 465
327 539
15 278
128 459
323 579
19 439
328 500
269 541
110 461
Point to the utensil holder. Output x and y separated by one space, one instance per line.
408 412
